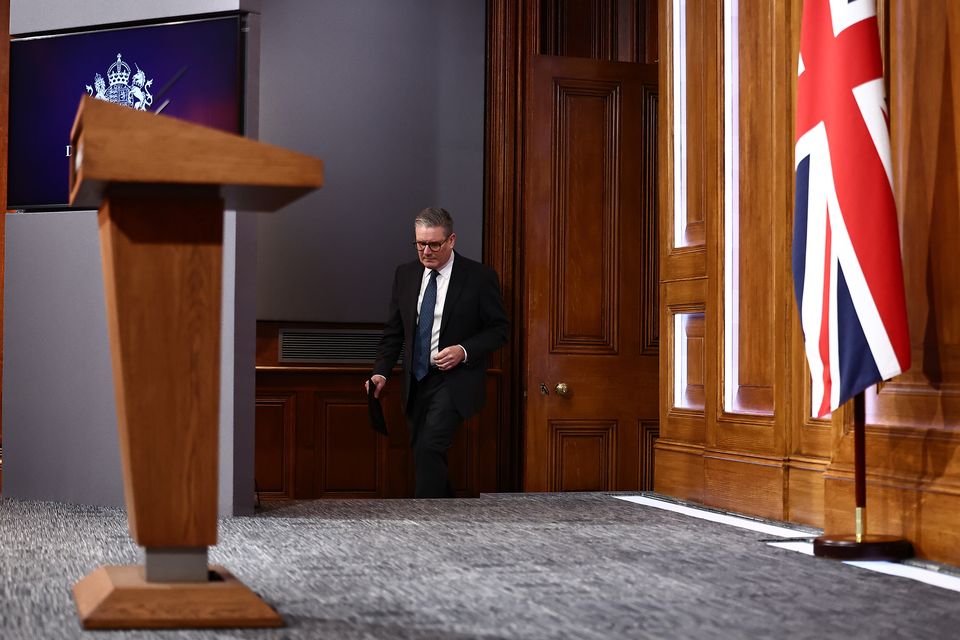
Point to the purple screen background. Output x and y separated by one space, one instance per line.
48 77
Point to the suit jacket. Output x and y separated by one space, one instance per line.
473 317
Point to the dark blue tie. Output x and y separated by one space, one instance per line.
421 360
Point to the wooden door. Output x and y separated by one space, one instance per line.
590 261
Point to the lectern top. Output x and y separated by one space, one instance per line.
115 145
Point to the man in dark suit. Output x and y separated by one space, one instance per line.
448 311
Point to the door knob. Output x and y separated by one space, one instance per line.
562 389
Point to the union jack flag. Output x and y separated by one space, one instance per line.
847 271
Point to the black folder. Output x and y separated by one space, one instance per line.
377 421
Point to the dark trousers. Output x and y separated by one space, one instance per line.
433 423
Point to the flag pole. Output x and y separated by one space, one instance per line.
861 545
860 466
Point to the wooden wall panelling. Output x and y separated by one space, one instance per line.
650 51
616 30
810 440
693 329
746 467
316 389
650 227
683 264
757 207
913 485
680 445
679 264
921 514
912 447
748 449
464 473
913 466
676 263
810 436
678 464
744 483
306 456
512 37
665 150
353 456
805 490
330 449
679 469
679 422
487 442
759 200
273 444
703 80
925 118
585 29
649 431
631 24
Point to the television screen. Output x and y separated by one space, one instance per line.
190 70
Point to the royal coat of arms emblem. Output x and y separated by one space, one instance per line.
127 92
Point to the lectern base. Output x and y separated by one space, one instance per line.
118 597
870 547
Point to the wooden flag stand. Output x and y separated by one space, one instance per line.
161 186
861 545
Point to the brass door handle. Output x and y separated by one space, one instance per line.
562 389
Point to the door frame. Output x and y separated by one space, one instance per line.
514 35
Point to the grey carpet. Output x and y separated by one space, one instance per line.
501 566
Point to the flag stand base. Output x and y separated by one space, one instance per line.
861 545
869 547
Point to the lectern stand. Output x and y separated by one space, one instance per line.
161 186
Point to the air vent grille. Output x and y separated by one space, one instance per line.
328 346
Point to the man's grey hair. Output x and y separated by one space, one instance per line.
435 217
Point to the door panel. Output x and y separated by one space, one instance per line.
590 251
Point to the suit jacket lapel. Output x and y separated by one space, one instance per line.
457 278
412 292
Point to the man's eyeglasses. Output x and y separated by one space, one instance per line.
434 246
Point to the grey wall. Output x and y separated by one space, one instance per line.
59 418
390 95
29 16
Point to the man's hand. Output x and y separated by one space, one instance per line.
449 358
379 380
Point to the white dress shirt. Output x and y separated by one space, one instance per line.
443 282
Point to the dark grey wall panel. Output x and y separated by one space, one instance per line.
59 418
28 16
390 95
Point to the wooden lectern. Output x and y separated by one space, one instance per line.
161 186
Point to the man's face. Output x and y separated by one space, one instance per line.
430 258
